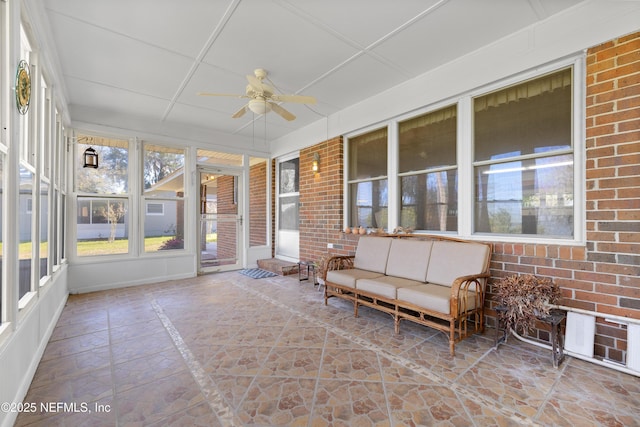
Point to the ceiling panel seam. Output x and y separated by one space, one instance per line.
361 49
198 60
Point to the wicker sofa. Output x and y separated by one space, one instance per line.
431 280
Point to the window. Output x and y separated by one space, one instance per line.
163 197
25 230
368 193
523 160
44 229
497 164
428 172
155 208
289 195
102 201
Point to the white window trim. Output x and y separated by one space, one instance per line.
465 155
161 204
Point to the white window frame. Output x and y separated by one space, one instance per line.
150 203
465 156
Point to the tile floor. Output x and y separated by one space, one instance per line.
228 350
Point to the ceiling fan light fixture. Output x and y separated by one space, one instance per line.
259 106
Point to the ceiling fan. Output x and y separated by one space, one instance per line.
262 97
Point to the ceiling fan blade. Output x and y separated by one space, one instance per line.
300 99
281 111
256 84
240 112
234 95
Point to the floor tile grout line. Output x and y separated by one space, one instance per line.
384 390
207 386
508 412
552 390
262 365
112 366
318 378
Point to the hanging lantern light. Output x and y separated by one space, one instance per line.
90 157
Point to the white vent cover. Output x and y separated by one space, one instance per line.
580 334
633 347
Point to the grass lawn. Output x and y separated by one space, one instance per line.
104 247
118 246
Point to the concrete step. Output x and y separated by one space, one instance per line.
278 266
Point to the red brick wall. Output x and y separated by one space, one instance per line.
604 275
258 204
611 281
321 198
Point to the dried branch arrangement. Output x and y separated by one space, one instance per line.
526 298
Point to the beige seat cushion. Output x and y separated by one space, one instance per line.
348 277
409 259
450 260
385 286
429 296
372 253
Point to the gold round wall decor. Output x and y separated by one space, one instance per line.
23 87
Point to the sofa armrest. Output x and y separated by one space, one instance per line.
338 262
462 290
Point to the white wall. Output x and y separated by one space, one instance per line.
567 33
117 273
21 353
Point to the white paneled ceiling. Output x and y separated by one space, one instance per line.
149 58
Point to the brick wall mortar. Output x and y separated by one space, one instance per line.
603 275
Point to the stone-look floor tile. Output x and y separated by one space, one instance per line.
394 343
356 326
203 351
61 368
335 340
350 403
158 400
196 416
433 354
484 414
292 362
302 337
203 333
90 414
425 405
77 344
129 314
393 372
514 379
236 360
257 336
354 364
81 327
270 352
74 391
134 331
275 401
593 396
144 370
273 318
124 351
233 388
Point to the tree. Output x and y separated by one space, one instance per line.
110 177
158 165
114 212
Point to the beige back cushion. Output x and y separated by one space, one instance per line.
409 259
450 260
372 253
